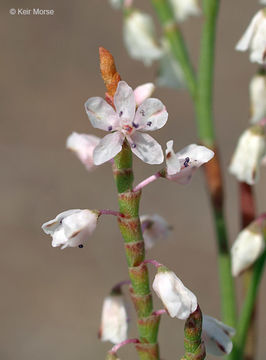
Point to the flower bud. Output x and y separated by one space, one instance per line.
184 8
139 37
71 228
257 90
154 229
254 38
83 145
181 166
248 246
114 319
178 301
143 92
249 152
217 336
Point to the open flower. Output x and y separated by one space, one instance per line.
179 301
181 166
83 145
254 38
217 336
71 228
139 37
257 90
154 229
248 247
184 8
248 155
114 319
126 123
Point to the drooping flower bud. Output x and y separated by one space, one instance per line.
248 246
71 228
179 301
184 8
217 336
246 160
139 37
154 229
254 38
181 166
114 322
257 91
83 145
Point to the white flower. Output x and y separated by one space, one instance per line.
139 37
170 73
118 4
126 123
71 228
154 229
247 248
114 319
257 90
254 38
217 336
184 8
177 299
181 166
83 145
247 157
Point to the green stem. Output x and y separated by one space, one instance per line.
176 41
130 227
248 306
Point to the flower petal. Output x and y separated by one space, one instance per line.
51 226
108 147
59 238
244 43
124 101
143 92
198 154
101 114
146 148
172 161
151 115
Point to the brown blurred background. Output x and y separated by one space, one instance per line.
51 299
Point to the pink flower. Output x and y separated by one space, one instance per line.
125 122
181 166
83 145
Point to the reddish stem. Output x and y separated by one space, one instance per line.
123 343
153 262
147 181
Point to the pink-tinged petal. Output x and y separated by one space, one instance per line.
124 101
151 115
146 148
244 43
184 176
143 92
101 114
108 147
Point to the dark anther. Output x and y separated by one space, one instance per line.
149 123
186 162
187 159
121 113
133 146
135 125
80 246
142 112
110 128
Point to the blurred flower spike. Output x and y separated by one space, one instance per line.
181 166
257 90
118 4
185 8
154 229
71 228
126 123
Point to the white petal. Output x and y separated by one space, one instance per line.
83 145
184 8
114 320
216 336
172 161
151 115
101 114
257 90
246 249
146 148
124 101
108 147
245 41
59 237
52 225
143 92
179 301
155 229
198 154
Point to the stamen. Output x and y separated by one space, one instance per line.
110 128
142 112
135 125
121 113
149 123
186 162
80 246
133 145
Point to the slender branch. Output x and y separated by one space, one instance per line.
153 262
123 343
147 181
159 312
110 212
176 41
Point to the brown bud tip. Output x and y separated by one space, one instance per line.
110 76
